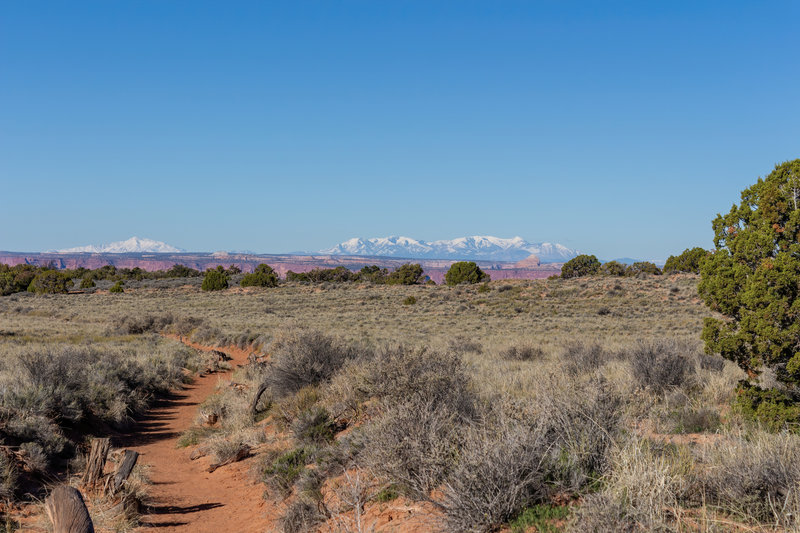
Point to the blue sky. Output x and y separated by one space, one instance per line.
619 128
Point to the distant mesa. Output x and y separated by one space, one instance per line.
131 246
532 261
477 247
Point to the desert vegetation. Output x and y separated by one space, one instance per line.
597 387
610 399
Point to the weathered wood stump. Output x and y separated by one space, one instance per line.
124 470
67 511
96 462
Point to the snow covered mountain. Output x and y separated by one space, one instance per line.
478 247
132 245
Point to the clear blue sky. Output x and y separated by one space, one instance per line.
619 128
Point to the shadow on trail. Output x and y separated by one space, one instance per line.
151 427
177 509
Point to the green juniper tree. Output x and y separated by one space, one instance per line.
753 279
579 266
215 279
688 261
465 272
262 276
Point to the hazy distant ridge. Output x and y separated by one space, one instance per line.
477 247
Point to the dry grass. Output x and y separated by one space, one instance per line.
484 402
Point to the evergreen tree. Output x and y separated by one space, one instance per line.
582 265
753 278
465 272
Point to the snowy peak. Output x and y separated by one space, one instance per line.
132 245
480 247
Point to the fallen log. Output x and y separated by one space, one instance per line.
67 511
124 470
240 454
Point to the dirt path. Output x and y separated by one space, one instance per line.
185 496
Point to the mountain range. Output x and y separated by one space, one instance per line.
477 247
132 245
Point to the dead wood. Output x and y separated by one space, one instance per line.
254 404
124 470
96 462
240 454
67 511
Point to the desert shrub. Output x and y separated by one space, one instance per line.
226 449
522 352
8 477
772 408
297 276
408 274
87 282
320 275
49 395
502 468
314 426
584 422
645 483
409 300
539 517
215 280
138 324
688 261
34 456
414 445
696 420
50 282
465 272
582 357
16 279
582 265
484 288
181 271
263 276
71 384
301 516
195 435
303 358
662 364
398 374
185 325
612 268
642 267
756 477
116 288
374 274
282 471
464 344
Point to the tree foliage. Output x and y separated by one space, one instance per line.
753 278
117 288
50 282
262 276
688 261
215 280
582 265
408 274
642 267
612 268
465 272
